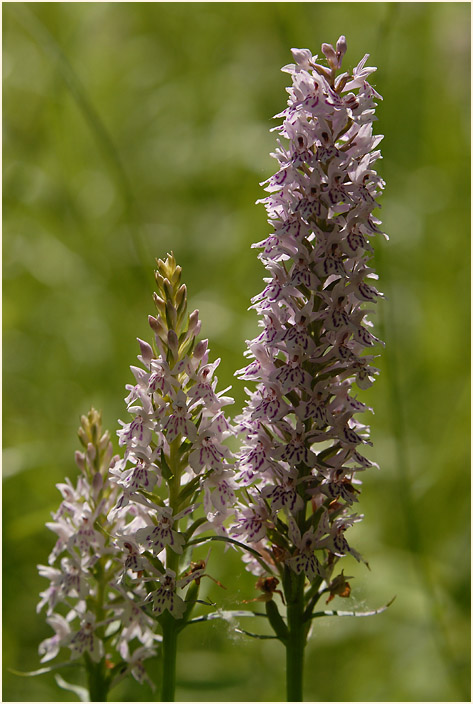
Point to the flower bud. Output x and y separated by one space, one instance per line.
91 452
160 304
171 315
181 295
181 310
154 323
200 348
159 280
83 437
146 350
168 290
193 323
104 441
323 71
173 343
176 276
341 82
107 459
80 460
341 49
302 57
157 326
169 264
330 55
97 484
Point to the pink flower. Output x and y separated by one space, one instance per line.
87 563
156 537
179 420
301 435
50 647
85 640
165 597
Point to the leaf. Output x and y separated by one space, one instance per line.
165 469
276 621
319 614
224 539
193 527
151 496
226 616
188 490
255 635
81 692
44 670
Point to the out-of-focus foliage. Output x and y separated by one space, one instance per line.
131 129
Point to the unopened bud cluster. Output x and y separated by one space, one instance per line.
175 477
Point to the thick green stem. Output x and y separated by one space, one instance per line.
295 665
169 625
97 677
97 680
296 639
169 653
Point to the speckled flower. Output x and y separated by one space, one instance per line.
301 457
86 567
178 426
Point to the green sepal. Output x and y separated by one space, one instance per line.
169 355
171 316
160 305
175 274
165 468
278 535
193 527
152 497
185 446
328 452
168 290
181 303
276 621
314 519
187 491
186 346
181 295
159 281
155 561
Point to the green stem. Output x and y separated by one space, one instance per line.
169 626
169 650
97 680
296 638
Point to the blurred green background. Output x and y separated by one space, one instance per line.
131 129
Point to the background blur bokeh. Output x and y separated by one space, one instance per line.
131 129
